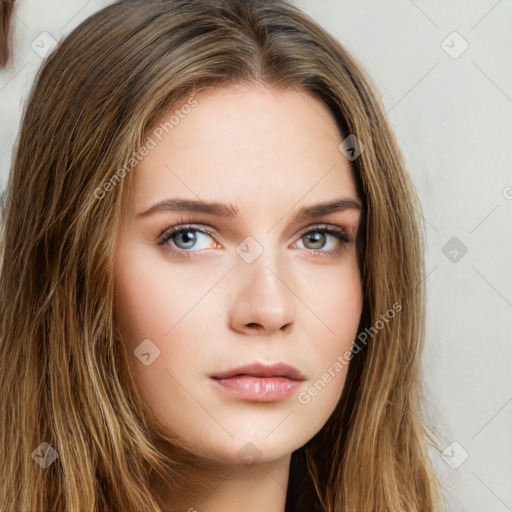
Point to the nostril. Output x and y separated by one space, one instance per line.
287 327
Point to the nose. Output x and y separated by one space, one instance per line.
263 301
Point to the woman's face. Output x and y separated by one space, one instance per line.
250 280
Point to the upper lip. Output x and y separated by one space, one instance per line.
259 369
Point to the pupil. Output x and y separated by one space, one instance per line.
319 239
189 235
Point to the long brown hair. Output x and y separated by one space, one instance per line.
65 382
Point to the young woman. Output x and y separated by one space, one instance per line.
212 291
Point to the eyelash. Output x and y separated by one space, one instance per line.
336 231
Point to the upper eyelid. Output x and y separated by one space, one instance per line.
203 227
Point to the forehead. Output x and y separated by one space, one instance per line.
245 142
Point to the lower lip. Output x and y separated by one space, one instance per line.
260 389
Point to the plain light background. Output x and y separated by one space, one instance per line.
444 71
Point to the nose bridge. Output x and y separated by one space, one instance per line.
262 294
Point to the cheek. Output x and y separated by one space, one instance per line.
155 302
151 297
342 303
333 301
330 328
134 304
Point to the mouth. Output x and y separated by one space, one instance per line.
260 382
263 370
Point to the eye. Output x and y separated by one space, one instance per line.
318 238
188 240
185 238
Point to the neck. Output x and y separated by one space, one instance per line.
240 487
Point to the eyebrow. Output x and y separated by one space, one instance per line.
230 211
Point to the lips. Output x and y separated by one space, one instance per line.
261 370
260 382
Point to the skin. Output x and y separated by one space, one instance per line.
268 152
